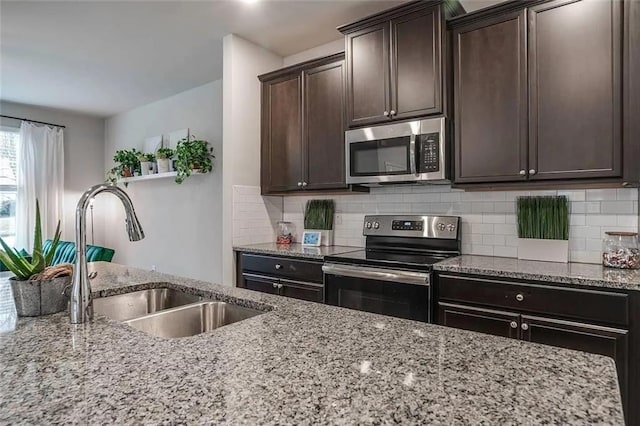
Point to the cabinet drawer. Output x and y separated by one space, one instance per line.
302 291
300 270
600 306
257 283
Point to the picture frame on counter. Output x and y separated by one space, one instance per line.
311 238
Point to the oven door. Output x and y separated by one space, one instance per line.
401 294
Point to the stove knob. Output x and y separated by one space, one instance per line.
368 225
376 225
451 227
441 226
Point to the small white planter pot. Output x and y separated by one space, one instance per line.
164 165
326 238
544 250
146 168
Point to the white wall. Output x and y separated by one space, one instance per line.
243 62
315 52
83 156
182 223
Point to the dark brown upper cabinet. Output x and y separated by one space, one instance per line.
575 102
395 63
303 114
490 91
538 93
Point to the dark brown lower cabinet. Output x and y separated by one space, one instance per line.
594 321
611 342
300 290
481 320
258 283
284 276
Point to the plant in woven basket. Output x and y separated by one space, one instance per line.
21 264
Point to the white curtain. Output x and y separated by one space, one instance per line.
41 177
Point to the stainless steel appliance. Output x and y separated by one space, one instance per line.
392 275
413 151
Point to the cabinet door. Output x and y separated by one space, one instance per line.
489 321
490 92
367 53
416 64
282 134
259 283
303 291
324 113
575 89
611 342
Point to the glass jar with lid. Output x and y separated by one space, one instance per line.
620 250
285 232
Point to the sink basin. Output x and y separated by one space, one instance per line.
126 306
192 319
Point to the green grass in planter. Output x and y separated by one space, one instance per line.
543 217
318 214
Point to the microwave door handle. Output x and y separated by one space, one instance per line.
412 154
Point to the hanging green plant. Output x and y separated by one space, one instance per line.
192 155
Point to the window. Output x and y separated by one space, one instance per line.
9 138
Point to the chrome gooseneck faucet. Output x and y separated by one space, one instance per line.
81 306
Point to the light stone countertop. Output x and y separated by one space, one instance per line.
566 273
299 363
295 250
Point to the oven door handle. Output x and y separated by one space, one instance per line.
405 277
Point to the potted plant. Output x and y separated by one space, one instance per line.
543 228
318 217
164 156
146 163
37 287
192 155
128 162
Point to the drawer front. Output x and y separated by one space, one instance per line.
303 291
300 270
257 283
488 321
600 306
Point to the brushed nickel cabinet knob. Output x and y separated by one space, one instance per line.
514 324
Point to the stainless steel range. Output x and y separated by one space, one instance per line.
392 275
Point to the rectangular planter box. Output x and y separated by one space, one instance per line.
35 298
544 250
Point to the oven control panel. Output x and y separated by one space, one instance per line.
407 225
446 227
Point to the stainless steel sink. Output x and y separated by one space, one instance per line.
192 319
139 303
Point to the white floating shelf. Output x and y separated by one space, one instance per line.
155 176
147 177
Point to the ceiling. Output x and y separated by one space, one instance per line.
105 57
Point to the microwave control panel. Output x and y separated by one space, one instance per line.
429 153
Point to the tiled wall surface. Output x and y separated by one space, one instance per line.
254 216
488 218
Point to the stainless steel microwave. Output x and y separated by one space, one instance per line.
412 151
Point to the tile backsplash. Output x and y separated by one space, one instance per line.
488 218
